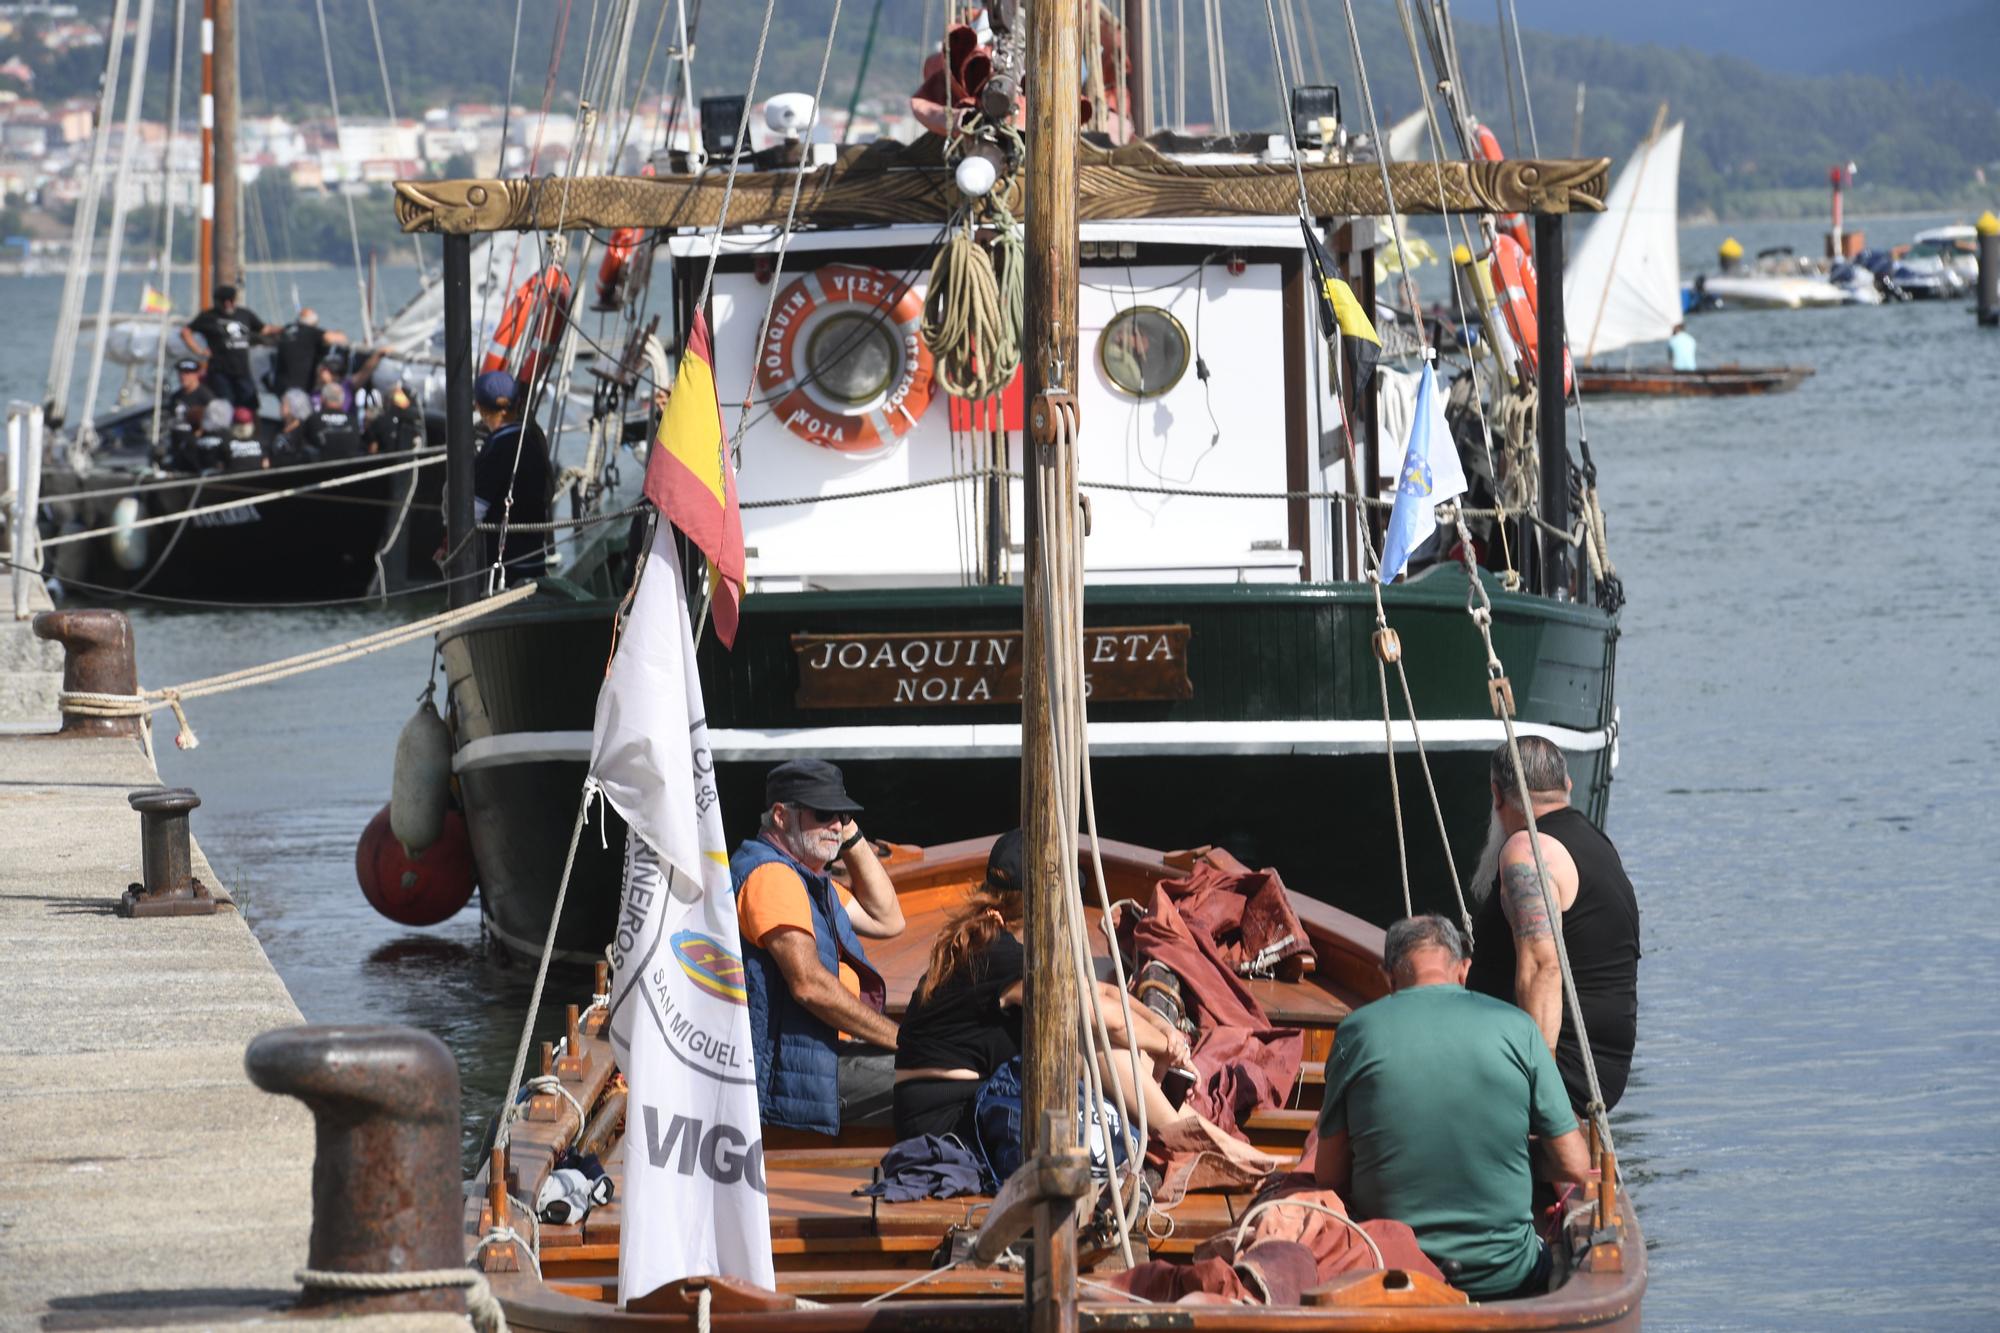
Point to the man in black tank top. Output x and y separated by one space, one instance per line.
1514 957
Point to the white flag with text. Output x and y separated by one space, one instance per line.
694 1201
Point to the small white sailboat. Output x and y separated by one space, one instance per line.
1624 286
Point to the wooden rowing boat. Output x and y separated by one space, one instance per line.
1666 382
836 1251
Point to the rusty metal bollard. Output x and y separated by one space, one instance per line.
166 858
386 1195
98 658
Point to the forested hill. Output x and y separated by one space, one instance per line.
1758 141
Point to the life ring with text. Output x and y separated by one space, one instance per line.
618 252
845 358
1514 276
1510 224
543 303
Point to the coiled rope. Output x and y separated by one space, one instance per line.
972 314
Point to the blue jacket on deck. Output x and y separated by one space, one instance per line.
797 1059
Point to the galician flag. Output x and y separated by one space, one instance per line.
1431 475
688 477
694 1201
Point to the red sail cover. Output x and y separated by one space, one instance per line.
1243 1062
689 480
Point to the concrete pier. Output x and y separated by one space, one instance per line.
144 1181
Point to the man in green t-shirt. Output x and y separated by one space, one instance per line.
1431 1094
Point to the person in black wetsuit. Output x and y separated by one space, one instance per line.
228 329
300 347
398 427
185 408
513 460
1514 957
295 441
334 428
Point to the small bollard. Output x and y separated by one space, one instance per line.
98 658
386 1195
166 859
1988 231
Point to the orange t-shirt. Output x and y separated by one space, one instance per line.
772 899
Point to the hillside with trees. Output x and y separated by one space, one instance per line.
1758 143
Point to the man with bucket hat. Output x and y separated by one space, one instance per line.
825 1051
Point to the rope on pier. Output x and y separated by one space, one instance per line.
88 703
481 1305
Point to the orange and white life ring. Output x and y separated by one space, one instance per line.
1510 224
543 302
1514 276
618 252
845 357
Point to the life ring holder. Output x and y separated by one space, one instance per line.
807 408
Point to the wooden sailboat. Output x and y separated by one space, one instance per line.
838 1250
851 1262
1624 286
322 529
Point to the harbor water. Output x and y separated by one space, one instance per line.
1805 800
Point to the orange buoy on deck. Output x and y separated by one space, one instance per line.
419 890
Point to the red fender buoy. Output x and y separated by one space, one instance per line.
419 890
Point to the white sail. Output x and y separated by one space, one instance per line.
1624 283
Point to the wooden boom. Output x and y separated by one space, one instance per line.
884 183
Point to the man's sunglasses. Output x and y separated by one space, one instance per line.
826 816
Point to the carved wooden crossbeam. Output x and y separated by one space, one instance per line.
878 185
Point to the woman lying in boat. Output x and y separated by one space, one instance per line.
964 1022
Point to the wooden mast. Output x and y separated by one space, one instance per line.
1049 377
228 215
204 244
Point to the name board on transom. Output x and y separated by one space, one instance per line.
940 668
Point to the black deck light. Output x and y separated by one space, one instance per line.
720 119
1312 104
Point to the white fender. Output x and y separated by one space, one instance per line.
420 790
128 545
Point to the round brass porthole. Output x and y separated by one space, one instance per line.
1143 351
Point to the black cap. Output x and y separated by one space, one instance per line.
809 782
187 365
1004 869
224 293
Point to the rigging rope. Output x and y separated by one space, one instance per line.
65 538
1480 608
167 216
389 101
94 703
791 221
353 227
83 236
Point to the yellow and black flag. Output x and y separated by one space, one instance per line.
1338 307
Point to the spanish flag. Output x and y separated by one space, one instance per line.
689 480
155 302
1338 306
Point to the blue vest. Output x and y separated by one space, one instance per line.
798 1081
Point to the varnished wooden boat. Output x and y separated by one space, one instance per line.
835 1251
1666 382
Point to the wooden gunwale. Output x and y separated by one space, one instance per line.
1715 382
853 1248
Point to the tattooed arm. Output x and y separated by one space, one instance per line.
1537 974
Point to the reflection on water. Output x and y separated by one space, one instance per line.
1811 729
